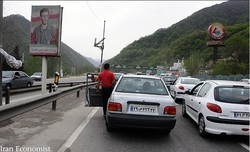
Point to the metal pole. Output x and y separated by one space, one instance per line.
1 45
215 54
102 47
44 74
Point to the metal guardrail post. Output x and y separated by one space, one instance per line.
54 105
7 95
50 87
78 94
53 102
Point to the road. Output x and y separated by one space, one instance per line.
76 128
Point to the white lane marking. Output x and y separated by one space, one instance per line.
244 146
76 133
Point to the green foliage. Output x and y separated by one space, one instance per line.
194 63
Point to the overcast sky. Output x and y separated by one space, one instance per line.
126 21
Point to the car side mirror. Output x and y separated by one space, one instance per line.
187 92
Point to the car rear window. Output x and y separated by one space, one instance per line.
238 95
141 85
190 81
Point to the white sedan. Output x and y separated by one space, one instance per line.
180 85
141 101
219 107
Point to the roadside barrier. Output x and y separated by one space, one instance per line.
8 111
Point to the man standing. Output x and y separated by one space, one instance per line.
45 33
106 80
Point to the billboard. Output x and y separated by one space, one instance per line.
45 31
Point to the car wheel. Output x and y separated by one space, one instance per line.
202 126
109 129
29 84
184 111
8 86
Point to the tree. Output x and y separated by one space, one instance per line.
193 64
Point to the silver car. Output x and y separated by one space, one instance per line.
141 101
16 79
37 76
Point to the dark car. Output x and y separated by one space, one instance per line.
168 80
16 79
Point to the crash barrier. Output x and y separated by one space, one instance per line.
222 77
7 91
16 108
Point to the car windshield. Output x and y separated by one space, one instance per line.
238 95
7 74
141 85
190 81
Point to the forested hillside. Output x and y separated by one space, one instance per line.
16 40
188 39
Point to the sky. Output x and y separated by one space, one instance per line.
125 21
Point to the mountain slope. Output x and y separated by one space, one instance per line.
189 36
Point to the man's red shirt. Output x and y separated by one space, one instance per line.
107 78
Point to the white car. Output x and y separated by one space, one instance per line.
37 76
180 85
245 80
141 101
219 107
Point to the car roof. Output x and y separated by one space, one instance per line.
188 78
141 76
227 82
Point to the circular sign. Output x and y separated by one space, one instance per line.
216 31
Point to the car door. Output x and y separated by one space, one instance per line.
198 99
24 79
93 98
16 82
189 101
172 87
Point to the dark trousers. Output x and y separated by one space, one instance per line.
106 91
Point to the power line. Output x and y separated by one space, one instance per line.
93 11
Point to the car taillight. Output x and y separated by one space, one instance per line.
170 110
113 106
214 107
181 87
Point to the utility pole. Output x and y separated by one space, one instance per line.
100 45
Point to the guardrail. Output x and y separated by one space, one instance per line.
39 87
16 108
7 92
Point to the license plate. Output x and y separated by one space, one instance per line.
241 115
142 108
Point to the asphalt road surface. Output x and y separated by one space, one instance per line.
76 128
